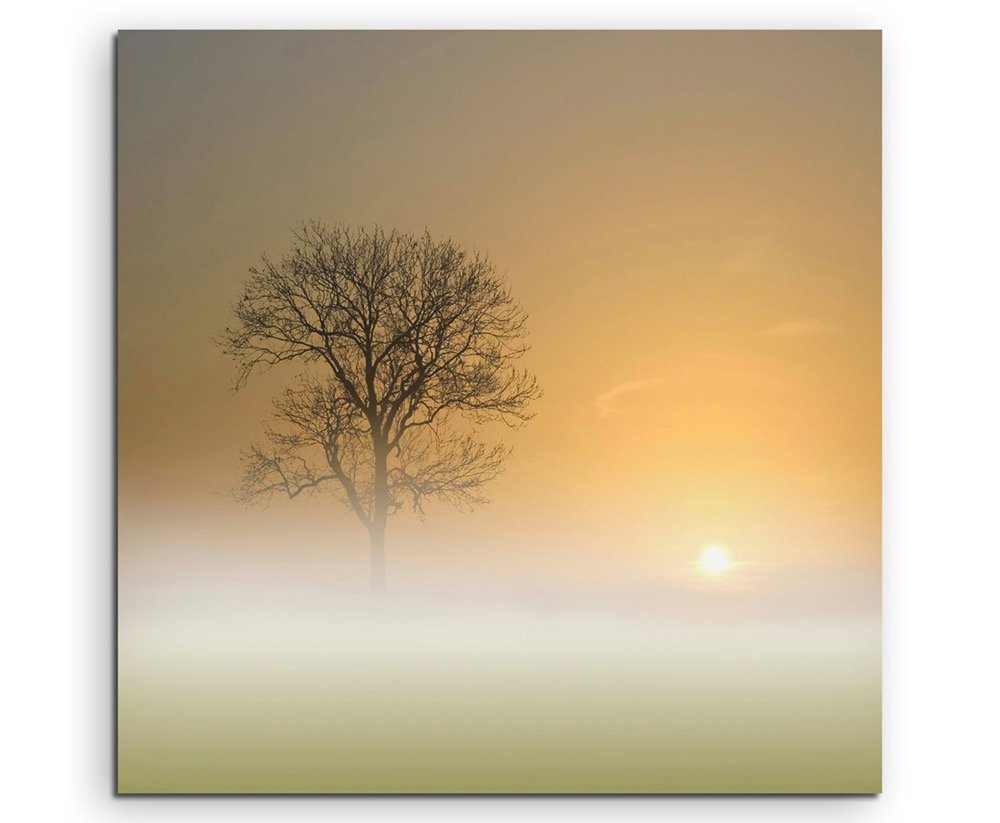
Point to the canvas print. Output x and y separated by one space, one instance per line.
499 412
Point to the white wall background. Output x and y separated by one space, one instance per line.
942 405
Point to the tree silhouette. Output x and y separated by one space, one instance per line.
408 345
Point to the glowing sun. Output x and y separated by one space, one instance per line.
715 560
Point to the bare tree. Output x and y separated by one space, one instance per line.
408 345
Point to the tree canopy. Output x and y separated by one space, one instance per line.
408 346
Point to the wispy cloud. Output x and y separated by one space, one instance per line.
609 404
802 328
688 381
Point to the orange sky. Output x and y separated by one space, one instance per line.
692 221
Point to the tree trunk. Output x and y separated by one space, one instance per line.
377 558
380 514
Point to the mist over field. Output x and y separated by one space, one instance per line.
255 687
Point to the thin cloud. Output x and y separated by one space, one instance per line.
609 403
802 328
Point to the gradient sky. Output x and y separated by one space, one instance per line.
691 219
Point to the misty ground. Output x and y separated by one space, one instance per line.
291 691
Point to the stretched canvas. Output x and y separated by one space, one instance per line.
499 412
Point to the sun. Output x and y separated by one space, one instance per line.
715 560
